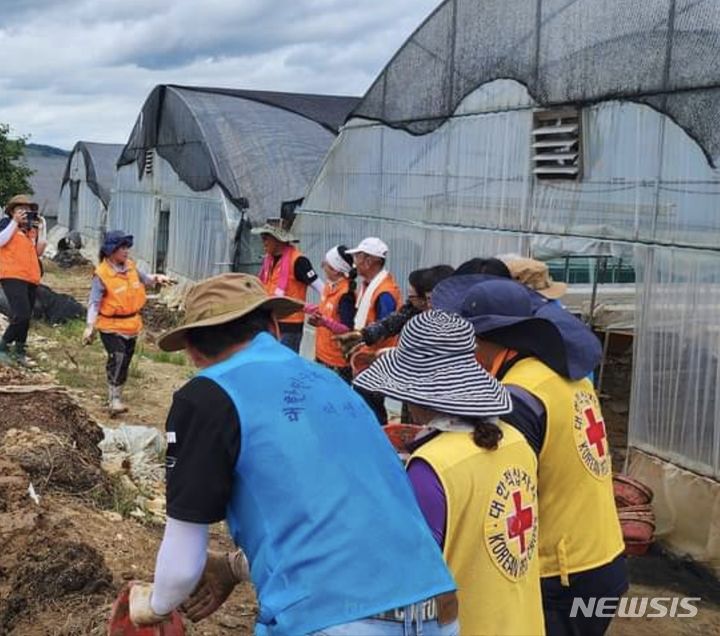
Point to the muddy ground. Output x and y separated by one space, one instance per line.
63 559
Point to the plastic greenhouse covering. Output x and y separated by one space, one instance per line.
100 160
222 159
437 159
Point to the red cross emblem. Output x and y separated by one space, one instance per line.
520 522
595 432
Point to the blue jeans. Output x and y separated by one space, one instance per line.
374 627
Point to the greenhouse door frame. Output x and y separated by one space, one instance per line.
162 236
73 210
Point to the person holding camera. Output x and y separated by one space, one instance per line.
22 243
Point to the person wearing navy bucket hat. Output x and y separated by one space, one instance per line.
475 476
117 296
542 354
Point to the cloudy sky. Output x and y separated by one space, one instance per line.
81 69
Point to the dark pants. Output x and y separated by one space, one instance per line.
291 336
120 352
21 297
376 402
344 372
609 580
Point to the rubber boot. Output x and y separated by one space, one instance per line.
115 404
20 356
5 358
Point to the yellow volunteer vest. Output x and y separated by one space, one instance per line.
580 527
326 349
124 298
491 532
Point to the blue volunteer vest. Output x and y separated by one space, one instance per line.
320 504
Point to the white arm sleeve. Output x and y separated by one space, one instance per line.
179 565
8 232
318 286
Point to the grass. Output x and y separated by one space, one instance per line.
165 357
117 497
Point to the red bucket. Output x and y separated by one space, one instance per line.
121 625
630 492
400 435
637 548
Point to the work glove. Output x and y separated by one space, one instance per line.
88 335
141 612
223 571
348 341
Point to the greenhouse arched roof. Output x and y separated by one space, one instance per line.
662 53
100 160
257 145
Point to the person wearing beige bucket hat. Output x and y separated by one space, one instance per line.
535 275
285 452
286 272
22 243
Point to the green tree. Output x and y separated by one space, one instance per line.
14 171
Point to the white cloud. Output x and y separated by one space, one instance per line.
82 69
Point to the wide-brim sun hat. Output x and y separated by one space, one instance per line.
510 314
221 299
536 275
434 366
274 228
20 199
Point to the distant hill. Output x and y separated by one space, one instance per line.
39 150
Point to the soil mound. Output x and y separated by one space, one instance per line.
51 571
52 439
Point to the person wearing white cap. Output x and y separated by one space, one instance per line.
475 476
378 297
335 314
379 294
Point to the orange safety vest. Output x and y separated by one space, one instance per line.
124 298
579 529
327 350
295 289
19 259
391 287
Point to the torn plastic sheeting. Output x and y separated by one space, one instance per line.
137 450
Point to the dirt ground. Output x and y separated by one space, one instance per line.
64 556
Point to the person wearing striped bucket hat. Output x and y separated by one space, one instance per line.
543 355
473 474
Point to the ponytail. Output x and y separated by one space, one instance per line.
486 435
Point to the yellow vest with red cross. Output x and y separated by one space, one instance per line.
491 532
123 299
580 527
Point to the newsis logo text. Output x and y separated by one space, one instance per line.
635 607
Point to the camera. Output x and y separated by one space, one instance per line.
32 219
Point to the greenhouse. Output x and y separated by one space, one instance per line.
86 189
204 165
564 129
